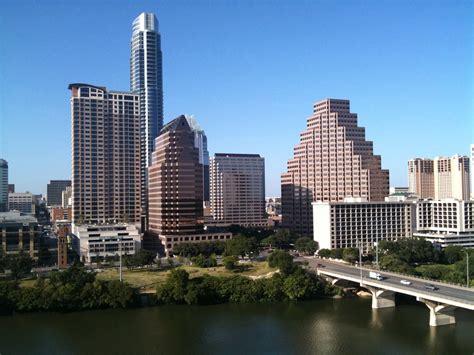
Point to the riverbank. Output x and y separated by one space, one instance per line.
78 289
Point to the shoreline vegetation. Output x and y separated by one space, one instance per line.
78 289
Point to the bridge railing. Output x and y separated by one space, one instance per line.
369 267
428 294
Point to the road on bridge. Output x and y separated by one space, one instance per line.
457 293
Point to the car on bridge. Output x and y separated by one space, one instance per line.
431 287
405 282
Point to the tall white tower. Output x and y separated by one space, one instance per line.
146 80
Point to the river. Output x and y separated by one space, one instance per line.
331 326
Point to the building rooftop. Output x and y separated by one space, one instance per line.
235 155
15 216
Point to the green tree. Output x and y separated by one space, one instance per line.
19 265
453 253
336 253
350 255
395 264
230 262
324 253
306 245
175 287
241 245
281 260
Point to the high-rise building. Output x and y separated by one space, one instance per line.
176 188
421 178
66 197
105 155
332 161
451 177
54 191
238 190
146 80
3 185
11 188
175 183
200 142
23 202
472 172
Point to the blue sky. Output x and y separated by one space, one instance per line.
249 71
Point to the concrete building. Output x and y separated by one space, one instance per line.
19 233
11 188
176 188
347 224
23 202
273 206
105 155
146 80
446 222
66 197
472 171
3 185
95 242
451 178
399 190
238 190
200 142
54 191
332 161
421 177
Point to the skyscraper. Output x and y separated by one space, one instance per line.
332 161
146 80
421 177
176 189
451 177
54 191
472 171
3 185
238 190
200 142
175 183
105 155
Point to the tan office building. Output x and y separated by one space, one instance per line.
332 161
421 178
105 155
238 190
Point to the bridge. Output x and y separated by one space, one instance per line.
441 302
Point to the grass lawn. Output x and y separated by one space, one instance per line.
148 279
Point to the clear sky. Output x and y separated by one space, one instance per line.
249 71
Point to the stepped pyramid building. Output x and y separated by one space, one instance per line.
333 161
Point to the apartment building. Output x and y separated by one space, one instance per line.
105 155
421 178
451 178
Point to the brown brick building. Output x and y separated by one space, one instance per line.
332 161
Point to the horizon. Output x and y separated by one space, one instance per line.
399 72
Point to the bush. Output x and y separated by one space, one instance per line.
281 260
230 262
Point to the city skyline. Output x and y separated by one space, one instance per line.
406 86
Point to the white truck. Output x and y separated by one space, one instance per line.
375 276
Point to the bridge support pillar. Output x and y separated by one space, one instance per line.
381 298
440 314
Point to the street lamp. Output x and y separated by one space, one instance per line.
377 254
120 257
359 245
467 269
